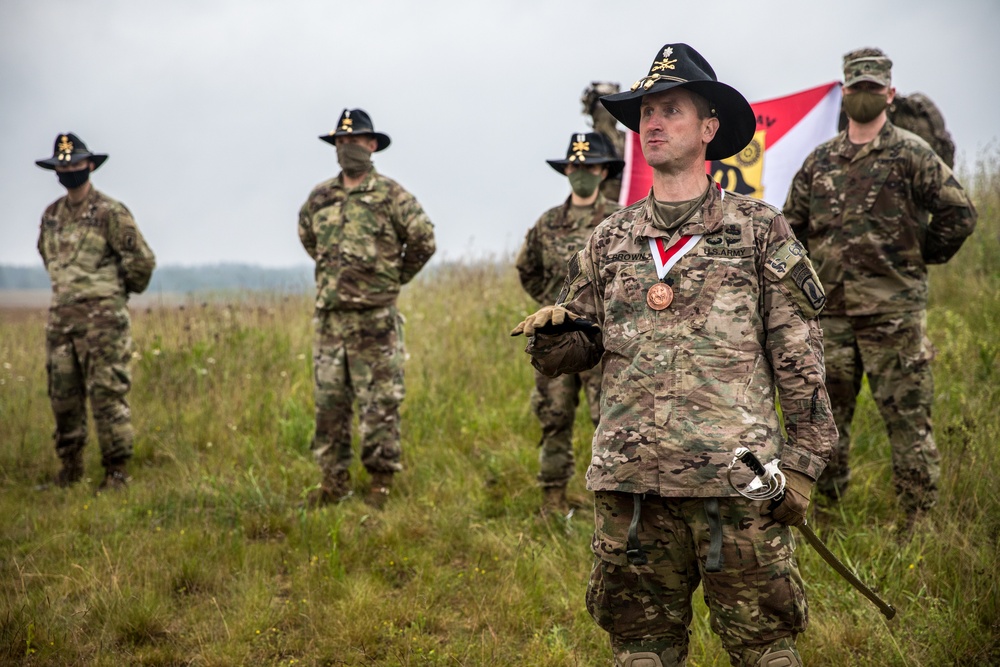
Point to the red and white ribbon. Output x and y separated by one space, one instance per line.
665 257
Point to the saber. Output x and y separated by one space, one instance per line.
769 484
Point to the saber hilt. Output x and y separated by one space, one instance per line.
769 484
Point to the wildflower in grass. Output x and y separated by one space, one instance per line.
156 352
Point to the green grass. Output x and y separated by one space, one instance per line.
209 560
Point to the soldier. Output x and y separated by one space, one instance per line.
541 264
606 124
95 257
874 206
698 304
368 237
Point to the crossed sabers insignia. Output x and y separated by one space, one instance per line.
65 146
346 124
581 146
666 63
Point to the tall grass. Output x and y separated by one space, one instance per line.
209 559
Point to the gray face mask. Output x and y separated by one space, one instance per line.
865 106
354 159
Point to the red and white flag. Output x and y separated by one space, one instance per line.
788 129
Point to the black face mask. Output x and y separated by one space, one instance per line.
73 179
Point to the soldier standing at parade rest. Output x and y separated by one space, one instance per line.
607 125
368 237
874 206
698 304
95 257
559 234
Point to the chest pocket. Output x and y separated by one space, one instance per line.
877 183
94 249
626 314
364 227
696 289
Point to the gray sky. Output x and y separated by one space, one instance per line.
210 109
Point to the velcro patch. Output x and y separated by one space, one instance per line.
808 283
785 257
728 252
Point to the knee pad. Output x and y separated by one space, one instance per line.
783 658
668 657
645 659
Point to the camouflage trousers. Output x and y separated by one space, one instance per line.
554 402
88 347
358 355
895 353
756 602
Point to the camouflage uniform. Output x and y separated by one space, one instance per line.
683 387
541 264
606 124
95 256
873 217
367 242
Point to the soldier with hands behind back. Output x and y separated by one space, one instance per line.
875 206
559 234
368 237
697 304
95 257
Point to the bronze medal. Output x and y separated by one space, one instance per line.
659 296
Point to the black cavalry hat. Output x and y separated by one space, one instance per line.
356 121
70 149
680 65
587 148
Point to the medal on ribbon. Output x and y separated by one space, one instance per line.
661 295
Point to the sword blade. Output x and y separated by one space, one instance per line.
887 609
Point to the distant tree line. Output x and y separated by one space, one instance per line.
184 279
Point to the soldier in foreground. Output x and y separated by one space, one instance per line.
95 257
559 234
607 125
368 237
703 304
874 206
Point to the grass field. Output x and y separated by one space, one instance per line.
208 559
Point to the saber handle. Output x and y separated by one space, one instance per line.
750 460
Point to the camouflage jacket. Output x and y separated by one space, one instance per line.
873 217
93 250
367 241
559 234
685 386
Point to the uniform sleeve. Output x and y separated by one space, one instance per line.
306 234
792 299
796 209
41 244
136 259
575 351
953 216
415 232
531 266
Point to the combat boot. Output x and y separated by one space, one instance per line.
554 501
378 492
334 488
115 478
72 470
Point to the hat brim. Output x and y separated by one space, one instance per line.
382 140
862 79
52 163
615 167
737 121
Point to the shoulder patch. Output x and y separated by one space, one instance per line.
785 257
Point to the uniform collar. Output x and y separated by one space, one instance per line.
846 149
365 186
706 220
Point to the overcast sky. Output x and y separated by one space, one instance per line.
210 109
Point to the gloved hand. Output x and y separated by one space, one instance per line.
551 320
791 511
